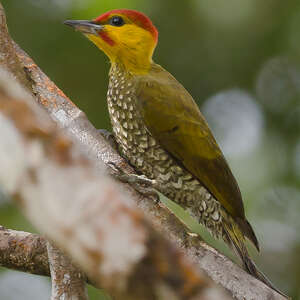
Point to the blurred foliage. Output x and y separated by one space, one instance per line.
241 62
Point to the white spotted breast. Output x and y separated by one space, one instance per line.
138 146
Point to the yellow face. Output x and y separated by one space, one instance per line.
125 36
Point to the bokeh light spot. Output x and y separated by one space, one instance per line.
236 120
278 85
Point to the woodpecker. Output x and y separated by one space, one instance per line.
160 130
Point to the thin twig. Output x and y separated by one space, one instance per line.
67 281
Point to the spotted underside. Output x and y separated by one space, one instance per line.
148 157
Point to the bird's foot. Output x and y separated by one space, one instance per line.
191 239
141 183
148 192
193 234
109 137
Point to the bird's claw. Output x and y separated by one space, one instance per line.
131 178
141 183
191 238
109 137
115 168
148 192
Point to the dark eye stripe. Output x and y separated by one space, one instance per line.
116 21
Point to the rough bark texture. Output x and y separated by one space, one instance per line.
83 211
23 251
169 262
67 281
8 56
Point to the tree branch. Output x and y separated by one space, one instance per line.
67 115
83 211
23 251
67 281
8 56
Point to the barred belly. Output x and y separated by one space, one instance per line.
138 146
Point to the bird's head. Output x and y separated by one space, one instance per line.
125 36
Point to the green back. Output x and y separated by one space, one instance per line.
174 119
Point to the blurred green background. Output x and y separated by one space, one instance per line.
241 62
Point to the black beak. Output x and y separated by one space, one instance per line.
88 27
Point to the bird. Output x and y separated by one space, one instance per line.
160 130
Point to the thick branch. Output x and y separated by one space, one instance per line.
23 251
67 115
84 212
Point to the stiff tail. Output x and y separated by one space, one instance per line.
235 238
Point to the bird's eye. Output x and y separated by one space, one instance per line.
116 21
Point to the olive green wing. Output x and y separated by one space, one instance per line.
174 119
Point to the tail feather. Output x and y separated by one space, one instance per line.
235 238
248 232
